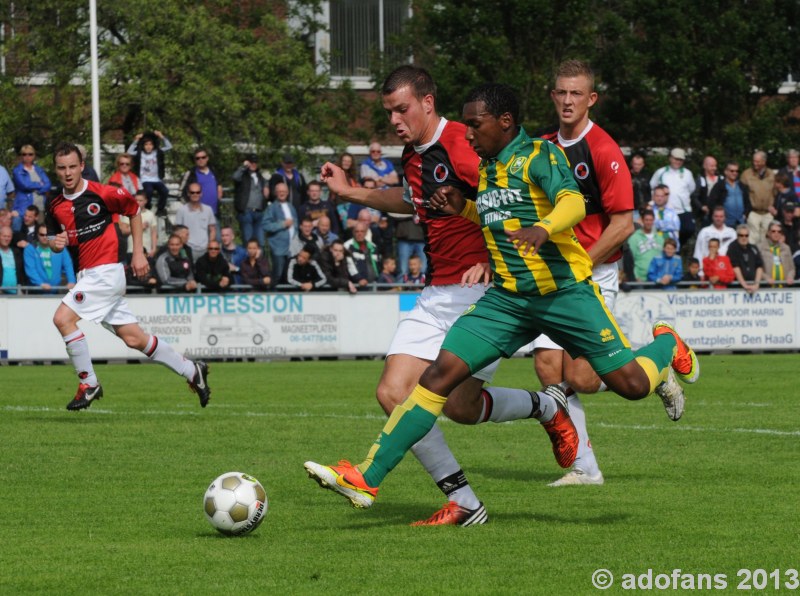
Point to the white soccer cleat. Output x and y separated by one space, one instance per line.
671 393
577 477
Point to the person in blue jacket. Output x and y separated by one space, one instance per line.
30 183
44 267
280 224
666 270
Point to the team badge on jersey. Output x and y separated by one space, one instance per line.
615 166
93 209
581 170
79 297
440 172
516 165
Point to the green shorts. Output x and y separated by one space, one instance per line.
576 318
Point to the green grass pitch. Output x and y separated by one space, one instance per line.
109 501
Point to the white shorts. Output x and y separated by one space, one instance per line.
99 296
422 332
605 275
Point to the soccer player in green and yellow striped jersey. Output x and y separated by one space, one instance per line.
526 205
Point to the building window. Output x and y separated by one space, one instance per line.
358 31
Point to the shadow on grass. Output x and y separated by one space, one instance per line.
400 515
547 477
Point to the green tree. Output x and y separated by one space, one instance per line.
698 74
210 74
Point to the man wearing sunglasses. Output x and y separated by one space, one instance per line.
203 174
748 266
199 219
45 267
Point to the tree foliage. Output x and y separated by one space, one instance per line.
226 74
697 74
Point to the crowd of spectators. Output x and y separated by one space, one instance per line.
738 228
710 230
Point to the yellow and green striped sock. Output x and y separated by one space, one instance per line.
409 422
656 358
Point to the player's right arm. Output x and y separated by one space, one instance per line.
58 242
389 199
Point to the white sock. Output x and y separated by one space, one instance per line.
78 350
502 404
547 406
437 459
603 387
586 460
162 352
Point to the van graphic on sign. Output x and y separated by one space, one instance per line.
235 329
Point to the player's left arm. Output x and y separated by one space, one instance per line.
549 170
620 227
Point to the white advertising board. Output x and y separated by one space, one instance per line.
714 320
220 326
273 325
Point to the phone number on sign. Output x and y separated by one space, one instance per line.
678 579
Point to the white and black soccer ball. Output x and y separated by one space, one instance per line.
235 503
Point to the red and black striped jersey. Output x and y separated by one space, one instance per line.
88 218
453 243
603 178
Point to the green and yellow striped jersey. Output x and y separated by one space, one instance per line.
517 189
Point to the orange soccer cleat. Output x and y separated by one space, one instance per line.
561 430
344 479
453 514
685 361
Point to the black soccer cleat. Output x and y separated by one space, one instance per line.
85 396
199 383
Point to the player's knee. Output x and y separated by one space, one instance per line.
548 367
444 375
459 411
635 388
583 383
388 396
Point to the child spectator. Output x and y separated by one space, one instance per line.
692 274
415 275
148 150
388 272
717 268
665 271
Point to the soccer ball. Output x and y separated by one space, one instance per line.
235 503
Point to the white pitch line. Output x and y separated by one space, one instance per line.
683 427
639 427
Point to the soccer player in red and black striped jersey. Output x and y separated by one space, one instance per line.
604 180
81 219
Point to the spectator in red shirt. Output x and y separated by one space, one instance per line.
717 268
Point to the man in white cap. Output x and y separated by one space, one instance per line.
681 186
